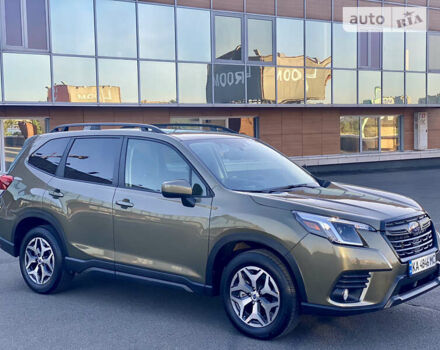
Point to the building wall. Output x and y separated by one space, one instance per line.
294 131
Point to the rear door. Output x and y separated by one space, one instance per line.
153 232
81 196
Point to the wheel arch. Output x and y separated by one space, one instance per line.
33 218
229 246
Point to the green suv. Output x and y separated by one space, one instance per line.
211 213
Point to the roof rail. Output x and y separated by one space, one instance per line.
97 126
186 126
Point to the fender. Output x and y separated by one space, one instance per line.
263 240
44 215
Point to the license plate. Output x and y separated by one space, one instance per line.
422 264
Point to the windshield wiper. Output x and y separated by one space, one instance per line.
286 188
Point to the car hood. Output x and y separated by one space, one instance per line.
350 202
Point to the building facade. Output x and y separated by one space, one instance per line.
281 70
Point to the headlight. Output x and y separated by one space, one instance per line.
334 229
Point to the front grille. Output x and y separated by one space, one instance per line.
356 279
410 236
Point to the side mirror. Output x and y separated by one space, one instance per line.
177 189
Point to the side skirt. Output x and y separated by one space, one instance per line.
136 273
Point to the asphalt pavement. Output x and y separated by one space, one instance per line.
101 313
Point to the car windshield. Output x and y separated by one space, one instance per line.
243 164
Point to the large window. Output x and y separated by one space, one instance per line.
318 43
344 86
415 51
149 164
228 35
344 47
290 85
229 85
118 81
74 79
415 88
156 32
433 88
393 52
369 46
290 42
393 85
158 82
93 160
25 24
434 51
72 27
318 86
193 35
193 83
261 84
369 87
26 77
260 43
116 28
370 133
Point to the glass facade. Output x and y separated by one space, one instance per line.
140 53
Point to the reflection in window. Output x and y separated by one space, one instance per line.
116 28
290 42
74 79
193 35
393 51
318 86
349 130
415 51
193 83
369 87
318 43
260 84
72 27
156 32
389 133
344 86
229 84
370 134
25 19
228 38
369 47
344 47
434 52
415 88
158 82
92 160
117 81
48 156
26 77
290 85
372 138
260 40
433 88
393 83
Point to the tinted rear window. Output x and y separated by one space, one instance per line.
93 160
48 156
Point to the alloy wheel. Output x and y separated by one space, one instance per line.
254 296
39 260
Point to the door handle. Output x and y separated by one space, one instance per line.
125 203
56 193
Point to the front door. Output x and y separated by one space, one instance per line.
153 232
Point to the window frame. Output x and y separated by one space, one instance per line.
379 133
369 66
122 166
60 173
274 38
24 32
216 60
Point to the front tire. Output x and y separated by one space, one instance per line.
42 261
259 295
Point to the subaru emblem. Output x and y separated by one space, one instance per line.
414 228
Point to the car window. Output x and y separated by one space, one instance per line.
48 156
93 160
149 164
244 164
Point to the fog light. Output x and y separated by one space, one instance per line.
345 295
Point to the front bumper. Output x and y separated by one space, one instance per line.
400 293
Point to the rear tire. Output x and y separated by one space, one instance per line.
259 295
42 261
